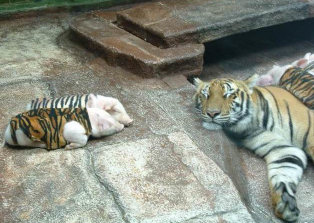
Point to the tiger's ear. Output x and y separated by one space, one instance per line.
91 102
251 81
194 80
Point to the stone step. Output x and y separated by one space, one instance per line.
98 31
170 23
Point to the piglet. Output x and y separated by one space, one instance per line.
103 124
112 106
74 134
303 62
273 76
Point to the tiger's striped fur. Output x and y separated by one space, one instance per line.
47 125
270 122
300 82
73 101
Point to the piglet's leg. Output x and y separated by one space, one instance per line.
23 140
74 133
119 113
73 145
116 110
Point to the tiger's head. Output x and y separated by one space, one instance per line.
223 101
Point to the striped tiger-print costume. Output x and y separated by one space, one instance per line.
72 101
300 82
109 104
270 122
47 125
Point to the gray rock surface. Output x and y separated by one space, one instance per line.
167 179
38 186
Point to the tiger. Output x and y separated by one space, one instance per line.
300 82
59 127
268 121
109 104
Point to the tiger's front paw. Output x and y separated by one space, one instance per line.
285 204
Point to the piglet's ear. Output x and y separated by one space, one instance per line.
103 125
103 122
307 56
302 62
91 102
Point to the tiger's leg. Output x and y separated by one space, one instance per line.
75 134
285 164
285 168
310 152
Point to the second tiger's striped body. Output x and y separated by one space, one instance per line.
300 82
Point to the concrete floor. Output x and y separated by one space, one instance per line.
165 167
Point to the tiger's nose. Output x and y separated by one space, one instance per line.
213 114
